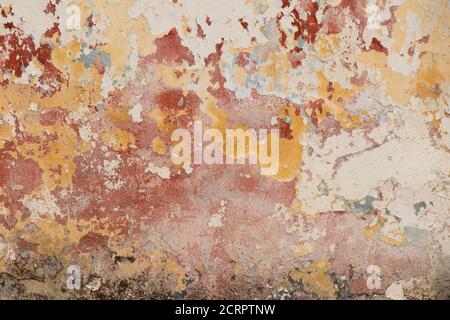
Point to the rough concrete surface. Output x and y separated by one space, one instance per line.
93 207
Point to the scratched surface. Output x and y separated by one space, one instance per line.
91 205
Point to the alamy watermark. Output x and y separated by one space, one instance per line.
234 146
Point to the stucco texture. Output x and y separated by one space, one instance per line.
93 207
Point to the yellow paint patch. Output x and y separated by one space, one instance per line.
118 140
386 231
240 75
291 150
430 78
118 115
6 132
334 106
159 146
56 160
315 279
277 71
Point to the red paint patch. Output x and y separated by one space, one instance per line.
244 24
51 79
19 176
200 33
53 30
51 7
169 49
334 20
171 102
16 52
43 53
285 129
306 29
377 46
92 241
52 116
315 108
98 64
242 59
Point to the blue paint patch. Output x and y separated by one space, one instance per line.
287 119
88 59
361 206
419 205
413 235
267 32
323 188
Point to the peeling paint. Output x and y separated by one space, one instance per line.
92 205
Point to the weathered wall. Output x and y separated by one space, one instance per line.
91 205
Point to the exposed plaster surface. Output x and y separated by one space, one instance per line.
91 205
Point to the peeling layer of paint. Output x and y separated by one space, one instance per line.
91 205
